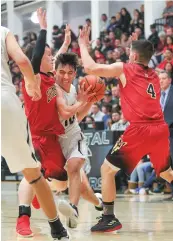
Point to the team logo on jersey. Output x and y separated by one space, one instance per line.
118 145
51 93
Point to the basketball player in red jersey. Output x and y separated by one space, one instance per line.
147 134
45 129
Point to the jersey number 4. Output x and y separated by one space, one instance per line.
151 91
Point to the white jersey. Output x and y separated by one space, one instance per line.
71 125
6 78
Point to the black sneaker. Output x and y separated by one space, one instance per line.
58 232
107 223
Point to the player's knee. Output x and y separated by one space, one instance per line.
74 166
31 174
107 170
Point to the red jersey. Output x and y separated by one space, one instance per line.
42 115
140 98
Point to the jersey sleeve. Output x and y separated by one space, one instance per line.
39 51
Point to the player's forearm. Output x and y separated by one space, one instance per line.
27 70
87 61
62 50
39 51
68 111
82 112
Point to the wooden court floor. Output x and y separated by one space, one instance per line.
144 218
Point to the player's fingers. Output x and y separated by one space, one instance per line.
92 94
82 87
88 89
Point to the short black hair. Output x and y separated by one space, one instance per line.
144 48
67 58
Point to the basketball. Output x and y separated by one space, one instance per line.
98 86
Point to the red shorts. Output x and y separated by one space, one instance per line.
48 152
140 140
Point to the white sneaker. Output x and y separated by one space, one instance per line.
69 212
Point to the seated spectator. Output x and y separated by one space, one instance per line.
169 43
125 40
57 37
96 113
154 36
142 12
75 48
112 38
168 58
169 31
116 93
121 125
127 51
169 70
168 13
98 55
106 109
90 120
125 18
136 22
115 117
109 58
103 24
113 24
108 98
98 45
161 42
139 33
106 46
140 175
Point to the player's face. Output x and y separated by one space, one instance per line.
47 61
165 81
65 75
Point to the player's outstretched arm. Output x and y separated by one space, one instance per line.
67 42
90 66
41 41
16 53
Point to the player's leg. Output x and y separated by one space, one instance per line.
121 156
160 152
18 156
88 194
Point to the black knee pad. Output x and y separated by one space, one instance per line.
36 180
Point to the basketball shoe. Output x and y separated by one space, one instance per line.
107 223
70 211
23 227
58 232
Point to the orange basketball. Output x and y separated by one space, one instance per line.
98 86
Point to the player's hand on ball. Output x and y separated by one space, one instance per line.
67 40
33 89
84 95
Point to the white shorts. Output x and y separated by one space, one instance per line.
16 144
73 146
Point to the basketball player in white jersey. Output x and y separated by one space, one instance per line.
72 143
15 149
